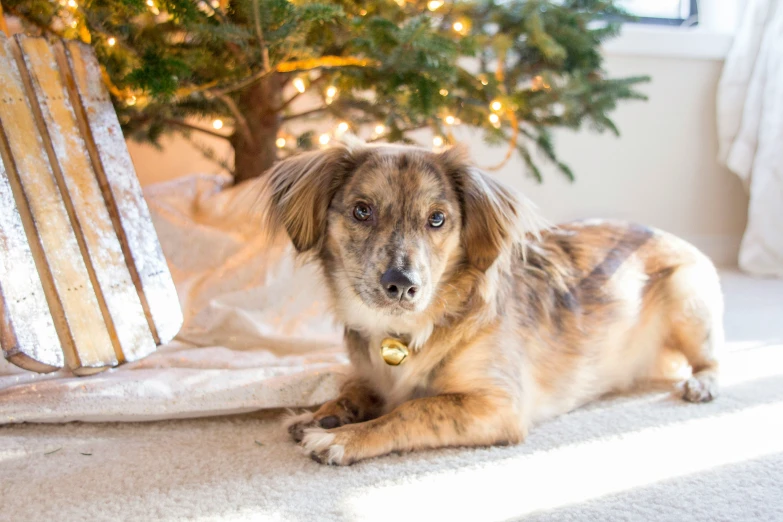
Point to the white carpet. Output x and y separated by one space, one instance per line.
644 456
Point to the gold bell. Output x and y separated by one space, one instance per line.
393 351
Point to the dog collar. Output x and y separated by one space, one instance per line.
393 351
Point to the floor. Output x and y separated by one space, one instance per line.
643 456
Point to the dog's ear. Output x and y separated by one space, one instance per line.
493 215
299 190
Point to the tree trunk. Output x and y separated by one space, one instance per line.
259 104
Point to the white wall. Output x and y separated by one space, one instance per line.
662 171
175 159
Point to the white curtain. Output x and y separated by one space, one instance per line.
750 131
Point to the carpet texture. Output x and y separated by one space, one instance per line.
641 456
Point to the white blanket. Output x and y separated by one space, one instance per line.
257 333
750 131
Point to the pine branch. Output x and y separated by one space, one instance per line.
400 131
261 41
512 141
290 100
295 66
241 121
185 125
534 171
209 154
243 84
305 113
544 143
184 92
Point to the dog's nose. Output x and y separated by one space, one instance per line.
400 284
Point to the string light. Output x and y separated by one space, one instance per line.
362 12
484 80
155 11
331 92
496 105
444 92
434 5
494 118
458 26
437 141
450 120
215 4
217 124
299 85
342 127
72 4
204 7
74 24
280 142
324 139
380 128
131 101
539 83
111 41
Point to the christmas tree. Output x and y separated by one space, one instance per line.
513 68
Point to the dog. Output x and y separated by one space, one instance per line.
501 323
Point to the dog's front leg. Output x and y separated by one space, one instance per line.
357 402
430 422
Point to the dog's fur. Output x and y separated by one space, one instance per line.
511 325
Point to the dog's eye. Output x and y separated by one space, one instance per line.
436 219
362 212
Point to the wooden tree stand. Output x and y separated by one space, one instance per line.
83 280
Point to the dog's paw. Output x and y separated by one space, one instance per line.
296 424
697 390
324 448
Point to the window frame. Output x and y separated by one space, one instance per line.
691 20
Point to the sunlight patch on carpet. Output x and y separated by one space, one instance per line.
756 362
498 490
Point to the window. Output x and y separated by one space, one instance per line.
662 12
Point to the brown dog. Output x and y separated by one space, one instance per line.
505 325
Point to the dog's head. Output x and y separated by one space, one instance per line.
392 225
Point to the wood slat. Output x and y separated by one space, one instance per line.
70 294
122 190
90 218
27 333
